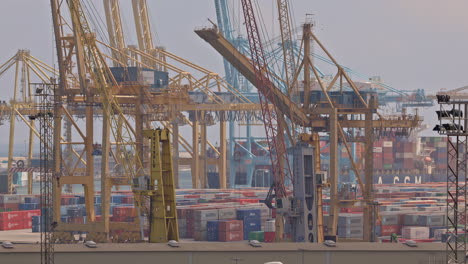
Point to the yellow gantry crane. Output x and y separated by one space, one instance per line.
97 86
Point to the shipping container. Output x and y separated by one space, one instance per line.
231 236
415 232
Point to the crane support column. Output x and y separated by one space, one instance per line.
175 152
195 147
30 156
223 155
161 190
369 209
11 144
57 152
105 181
203 146
334 201
304 223
89 186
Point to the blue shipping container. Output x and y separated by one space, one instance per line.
248 214
252 225
212 230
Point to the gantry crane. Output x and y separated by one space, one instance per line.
96 84
82 44
324 117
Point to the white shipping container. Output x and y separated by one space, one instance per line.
9 199
206 215
389 218
270 226
387 144
227 213
200 225
350 232
415 232
350 220
408 155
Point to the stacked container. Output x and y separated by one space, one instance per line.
252 220
388 161
270 231
390 223
9 202
378 155
350 226
415 232
231 230
201 218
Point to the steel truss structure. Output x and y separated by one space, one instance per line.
45 95
453 122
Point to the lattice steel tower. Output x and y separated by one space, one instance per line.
453 124
45 116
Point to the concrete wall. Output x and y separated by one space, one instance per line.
123 255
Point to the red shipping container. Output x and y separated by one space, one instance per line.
190 227
378 143
246 201
249 194
182 213
13 216
408 164
127 200
388 230
27 217
269 236
30 213
192 196
11 225
231 236
231 225
124 211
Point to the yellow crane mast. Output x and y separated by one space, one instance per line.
160 189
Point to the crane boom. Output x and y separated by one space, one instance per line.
143 28
115 31
287 42
244 65
275 137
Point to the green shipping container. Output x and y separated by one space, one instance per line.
387 166
257 235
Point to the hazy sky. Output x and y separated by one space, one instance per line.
412 44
